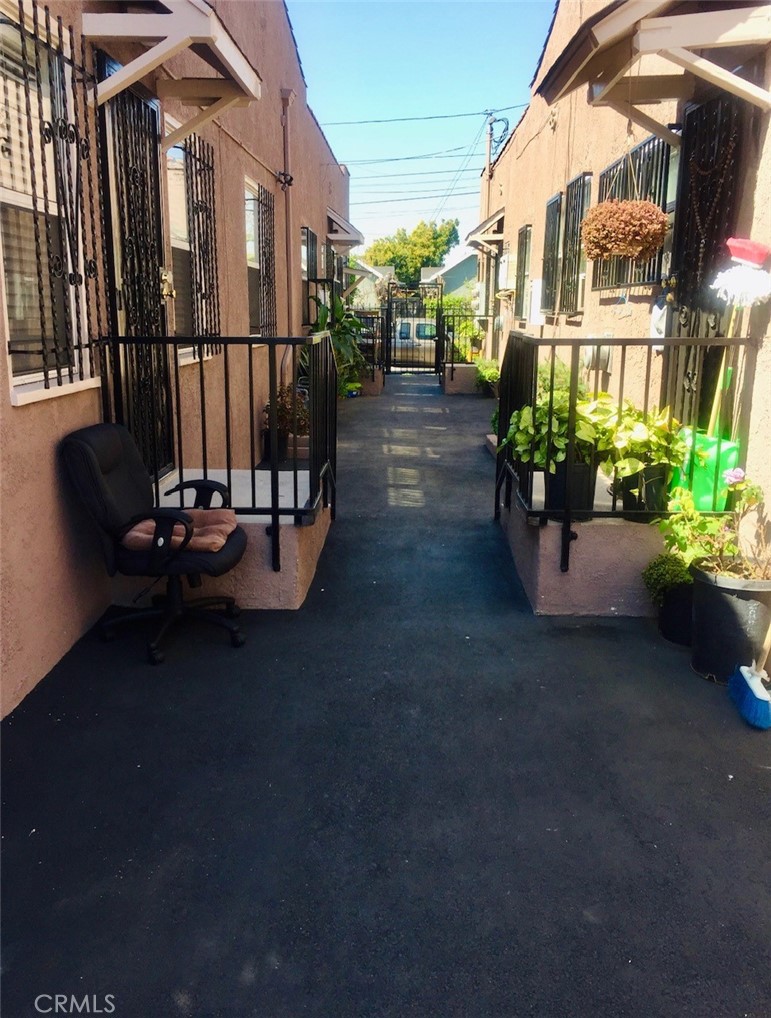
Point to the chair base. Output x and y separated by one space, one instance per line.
170 608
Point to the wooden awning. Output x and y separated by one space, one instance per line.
341 233
180 25
488 232
607 53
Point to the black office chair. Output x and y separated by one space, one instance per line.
108 474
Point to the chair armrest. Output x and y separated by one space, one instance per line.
204 489
161 551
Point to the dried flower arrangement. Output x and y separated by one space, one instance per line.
632 229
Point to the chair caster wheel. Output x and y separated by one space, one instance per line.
155 657
237 639
232 611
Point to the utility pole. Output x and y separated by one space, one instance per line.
488 160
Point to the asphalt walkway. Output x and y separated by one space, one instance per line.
409 799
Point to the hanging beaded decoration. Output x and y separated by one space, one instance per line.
704 222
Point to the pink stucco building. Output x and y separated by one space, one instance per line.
162 175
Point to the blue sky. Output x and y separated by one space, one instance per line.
368 60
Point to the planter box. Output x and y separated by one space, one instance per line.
460 379
373 386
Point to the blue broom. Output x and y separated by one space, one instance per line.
746 689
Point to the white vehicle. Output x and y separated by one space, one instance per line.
414 342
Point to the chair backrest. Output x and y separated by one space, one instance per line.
108 474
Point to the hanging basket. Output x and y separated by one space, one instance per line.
631 229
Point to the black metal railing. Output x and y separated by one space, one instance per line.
578 456
261 416
371 339
461 338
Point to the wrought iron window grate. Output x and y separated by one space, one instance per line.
261 261
202 231
51 213
551 254
521 304
641 174
577 195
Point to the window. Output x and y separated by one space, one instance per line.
577 195
180 241
551 255
522 295
260 260
405 330
309 272
425 330
49 248
641 174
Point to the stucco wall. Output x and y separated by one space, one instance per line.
550 146
53 581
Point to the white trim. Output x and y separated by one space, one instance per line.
638 117
738 26
342 233
188 23
719 76
35 392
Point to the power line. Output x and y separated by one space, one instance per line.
416 197
463 166
362 216
400 159
438 116
412 173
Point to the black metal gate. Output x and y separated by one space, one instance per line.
141 377
705 218
413 341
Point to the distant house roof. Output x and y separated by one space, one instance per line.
378 271
432 272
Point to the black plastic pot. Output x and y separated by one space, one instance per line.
282 445
583 480
675 614
730 620
650 486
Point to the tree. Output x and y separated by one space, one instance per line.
428 244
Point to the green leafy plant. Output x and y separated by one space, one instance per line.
561 378
345 330
715 543
488 373
540 433
664 572
291 411
641 440
495 419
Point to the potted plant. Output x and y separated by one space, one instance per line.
540 435
345 330
488 375
630 229
292 417
647 448
731 572
670 585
